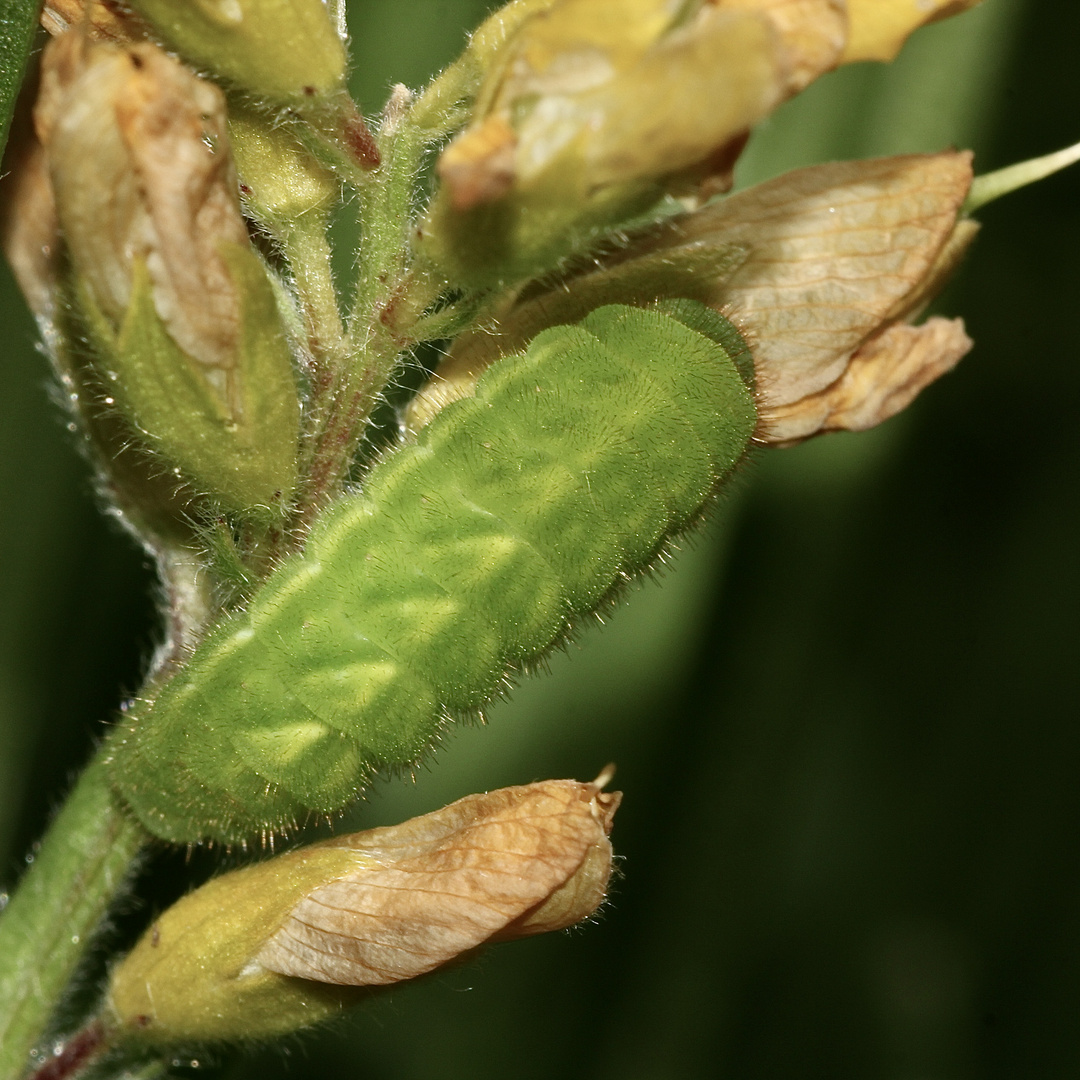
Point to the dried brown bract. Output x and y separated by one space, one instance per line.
285 943
513 862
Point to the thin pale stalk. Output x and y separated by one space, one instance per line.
990 186
83 863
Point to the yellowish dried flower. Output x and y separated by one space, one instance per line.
180 315
164 193
283 944
836 253
581 117
813 267
882 377
813 32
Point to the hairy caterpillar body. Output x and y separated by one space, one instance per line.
469 552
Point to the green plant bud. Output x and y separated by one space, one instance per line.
180 311
286 51
280 178
286 943
190 977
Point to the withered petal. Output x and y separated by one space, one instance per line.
879 28
814 33
882 378
447 882
154 134
833 250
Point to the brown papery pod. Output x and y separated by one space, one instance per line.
291 941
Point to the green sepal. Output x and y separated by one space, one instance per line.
285 50
190 978
285 182
244 460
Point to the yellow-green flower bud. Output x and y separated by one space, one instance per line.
591 106
286 943
178 306
287 51
281 181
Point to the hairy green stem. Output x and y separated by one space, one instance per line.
389 299
83 862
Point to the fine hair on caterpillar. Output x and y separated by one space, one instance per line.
467 556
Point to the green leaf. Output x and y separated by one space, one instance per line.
18 21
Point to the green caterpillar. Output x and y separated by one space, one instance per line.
469 553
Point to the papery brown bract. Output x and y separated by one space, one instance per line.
811 267
451 880
882 377
285 943
834 253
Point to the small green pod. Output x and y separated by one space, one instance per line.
468 554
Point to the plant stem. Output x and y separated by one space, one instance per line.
84 861
389 299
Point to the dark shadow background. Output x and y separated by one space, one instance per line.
845 723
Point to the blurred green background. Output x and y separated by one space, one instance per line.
845 717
